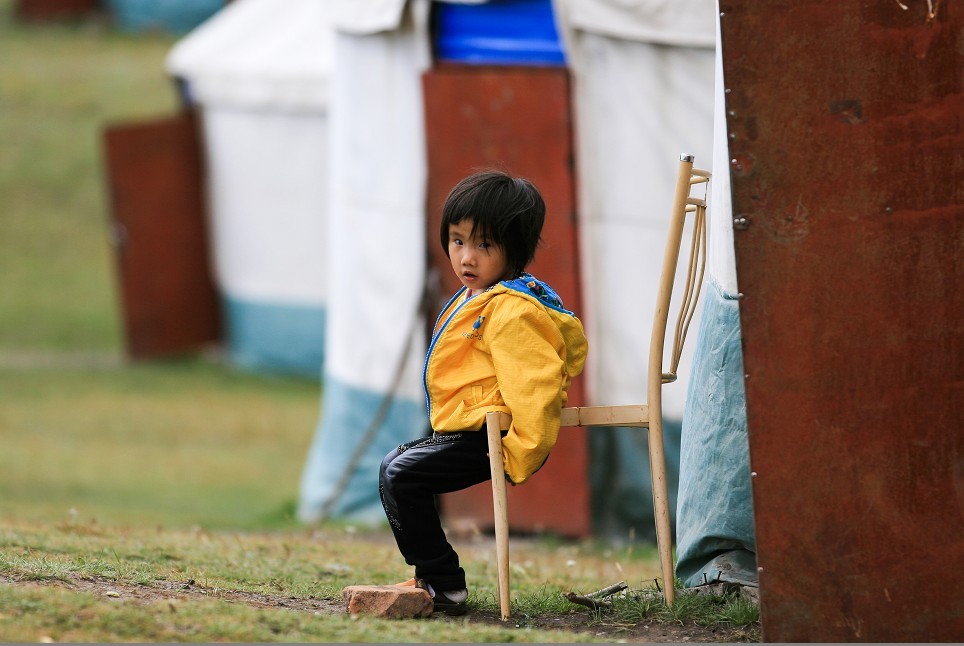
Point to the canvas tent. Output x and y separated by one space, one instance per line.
260 74
372 398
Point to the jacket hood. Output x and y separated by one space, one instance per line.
528 286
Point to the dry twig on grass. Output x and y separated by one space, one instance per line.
595 600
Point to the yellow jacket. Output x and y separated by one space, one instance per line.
512 348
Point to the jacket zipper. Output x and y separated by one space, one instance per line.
435 338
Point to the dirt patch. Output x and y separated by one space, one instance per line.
172 591
575 622
580 622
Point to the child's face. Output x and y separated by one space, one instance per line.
478 263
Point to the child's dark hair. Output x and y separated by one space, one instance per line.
505 211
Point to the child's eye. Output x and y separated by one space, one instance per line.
484 245
457 242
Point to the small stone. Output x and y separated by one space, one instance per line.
390 601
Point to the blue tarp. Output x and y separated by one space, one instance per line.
715 539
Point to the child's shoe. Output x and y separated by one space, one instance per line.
451 602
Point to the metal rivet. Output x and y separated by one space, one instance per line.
752 474
726 91
746 376
732 136
759 569
739 296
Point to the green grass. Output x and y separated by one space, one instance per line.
91 583
85 617
181 443
647 605
287 565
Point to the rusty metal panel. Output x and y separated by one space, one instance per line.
54 9
847 160
517 119
168 298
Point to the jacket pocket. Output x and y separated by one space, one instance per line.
475 395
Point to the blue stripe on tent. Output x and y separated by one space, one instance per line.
177 16
715 514
269 337
347 412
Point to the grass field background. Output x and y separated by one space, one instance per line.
82 432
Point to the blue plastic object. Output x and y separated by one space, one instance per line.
498 32
174 16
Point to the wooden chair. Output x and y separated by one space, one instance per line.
647 415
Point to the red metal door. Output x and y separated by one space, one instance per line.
54 9
168 297
847 157
517 119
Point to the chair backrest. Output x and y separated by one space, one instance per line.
683 202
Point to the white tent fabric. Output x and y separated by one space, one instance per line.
267 181
367 17
256 54
376 249
261 76
721 262
376 262
684 23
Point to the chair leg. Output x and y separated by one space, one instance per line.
657 468
500 508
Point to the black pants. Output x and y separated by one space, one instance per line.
408 481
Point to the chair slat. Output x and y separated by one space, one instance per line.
630 415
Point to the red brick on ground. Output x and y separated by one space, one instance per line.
389 601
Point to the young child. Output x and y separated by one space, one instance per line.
502 343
